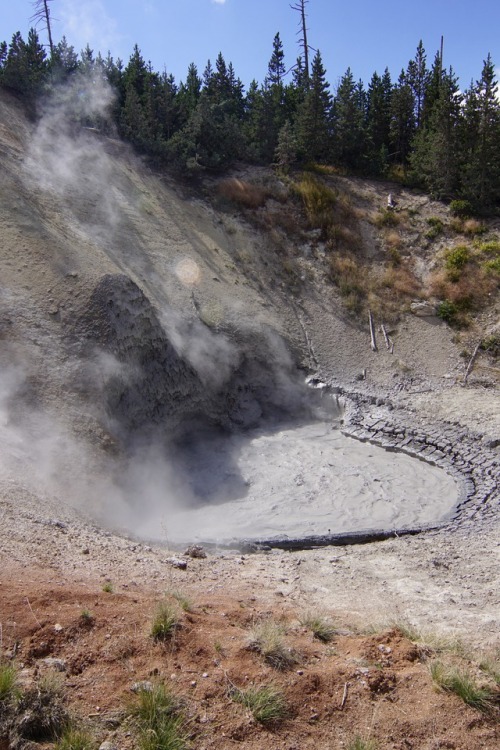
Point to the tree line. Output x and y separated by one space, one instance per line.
442 139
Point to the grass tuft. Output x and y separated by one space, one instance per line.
461 682
75 739
358 743
184 602
266 639
321 627
165 621
159 720
267 703
8 682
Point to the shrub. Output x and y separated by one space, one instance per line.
108 587
266 639
461 208
165 621
447 311
159 720
462 683
493 266
321 628
492 247
43 715
267 703
386 218
456 258
436 227
491 344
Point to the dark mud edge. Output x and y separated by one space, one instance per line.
469 457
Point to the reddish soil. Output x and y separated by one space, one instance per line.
373 686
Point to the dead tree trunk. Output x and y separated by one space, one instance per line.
42 14
300 7
373 341
471 362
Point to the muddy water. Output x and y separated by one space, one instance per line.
303 481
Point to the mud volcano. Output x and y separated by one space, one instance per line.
253 455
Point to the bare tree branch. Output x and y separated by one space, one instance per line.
300 7
42 15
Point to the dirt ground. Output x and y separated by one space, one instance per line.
396 606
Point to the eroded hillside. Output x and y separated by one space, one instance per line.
136 313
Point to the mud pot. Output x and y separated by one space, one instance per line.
297 482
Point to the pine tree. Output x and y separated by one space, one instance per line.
348 123
286 149
417 77
64 60
378 121
276 67
25 68
402 127
435 160
189 94
481 180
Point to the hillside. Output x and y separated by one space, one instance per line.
142 321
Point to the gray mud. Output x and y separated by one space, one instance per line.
298 482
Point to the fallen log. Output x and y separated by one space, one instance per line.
388 341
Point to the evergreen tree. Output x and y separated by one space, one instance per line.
189 94
481 178
402 127
286 149
348 123
276 67
435 160
432 89
64 60
417 77
314 116
378 121
25 68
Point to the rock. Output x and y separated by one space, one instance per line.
58 664
196 551
145 686
176 563
423 309
107 745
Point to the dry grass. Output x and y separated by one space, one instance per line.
318 200
351 279
402 282
267 703
472 227
463 683
393 240
267 639
242 193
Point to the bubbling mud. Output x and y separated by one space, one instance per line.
301 481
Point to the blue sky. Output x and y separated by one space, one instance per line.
366 35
